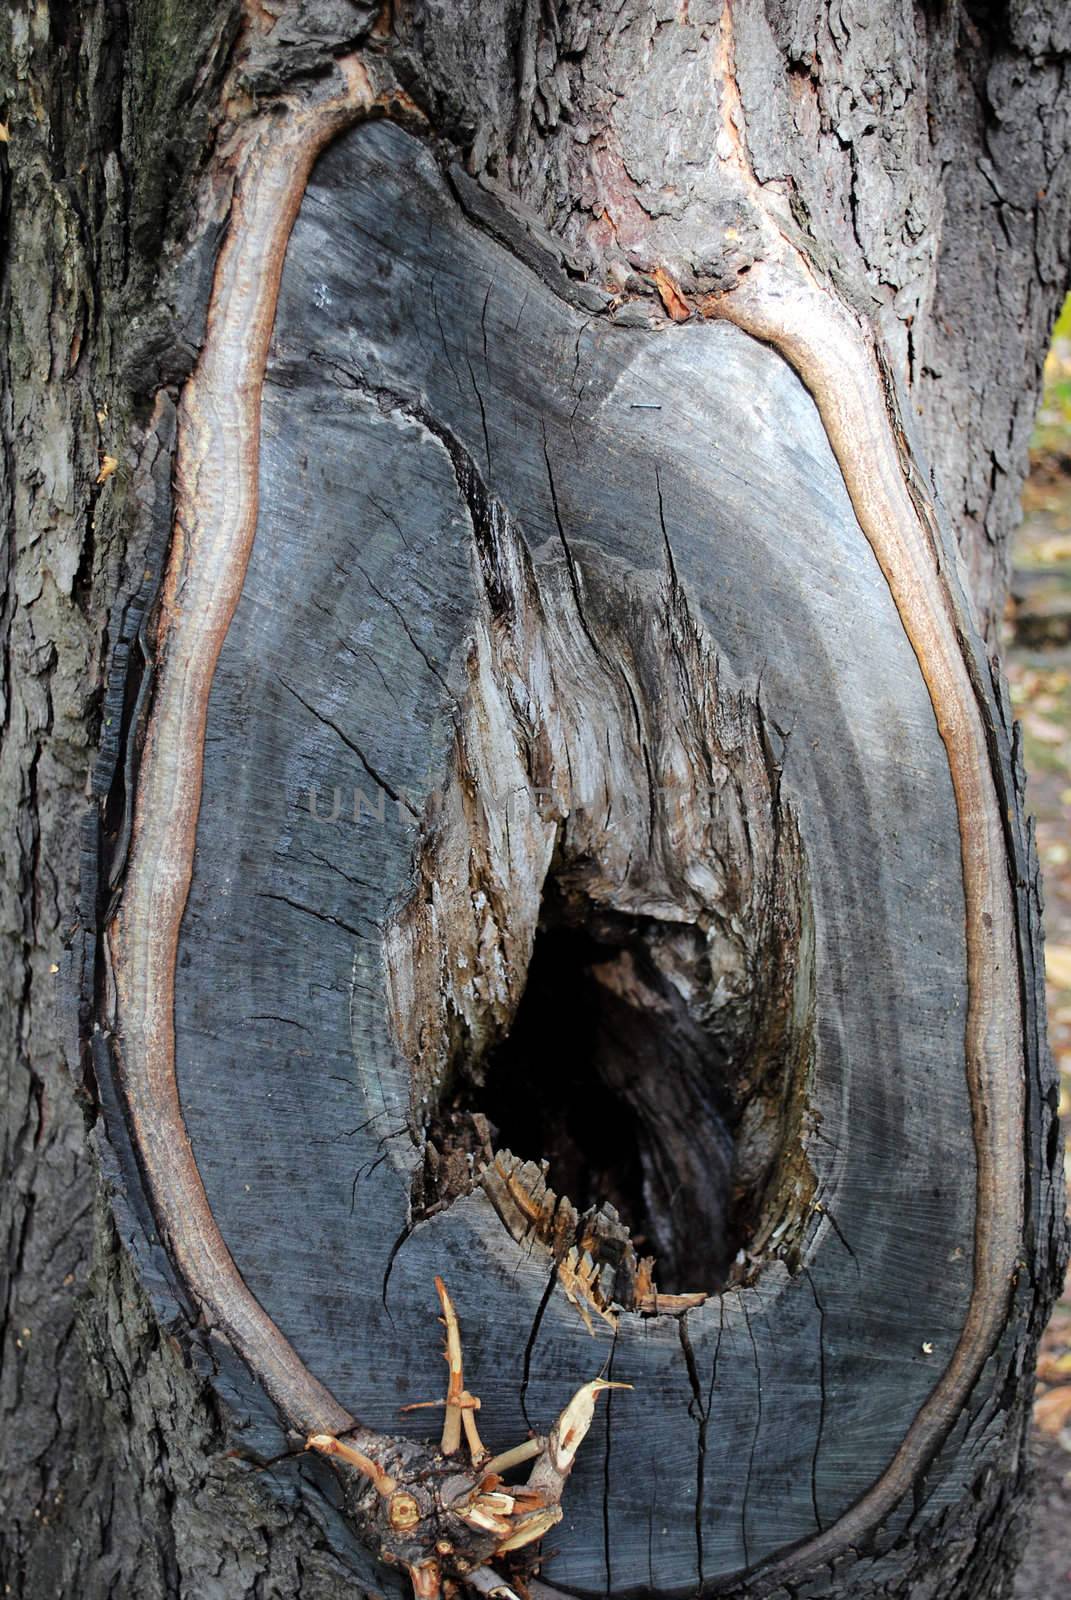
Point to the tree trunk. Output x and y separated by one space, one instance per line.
598 756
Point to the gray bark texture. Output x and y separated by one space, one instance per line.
921 156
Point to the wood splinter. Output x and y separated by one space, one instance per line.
441 1521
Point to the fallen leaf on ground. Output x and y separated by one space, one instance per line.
1052 551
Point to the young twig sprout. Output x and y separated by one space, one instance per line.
446 1521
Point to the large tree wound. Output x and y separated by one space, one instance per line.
601 956
572 792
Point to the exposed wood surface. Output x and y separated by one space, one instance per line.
299 1051
781 302
922 155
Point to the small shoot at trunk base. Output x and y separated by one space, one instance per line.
445 1522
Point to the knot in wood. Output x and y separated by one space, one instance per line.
403 1511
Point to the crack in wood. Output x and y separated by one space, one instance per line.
377 778
822 1393
756 1431
780 301
215 520
702 1415
552 1278
508 822
847 360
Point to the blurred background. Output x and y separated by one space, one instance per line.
1037 634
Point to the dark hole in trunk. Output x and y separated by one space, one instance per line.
611 835
608 1075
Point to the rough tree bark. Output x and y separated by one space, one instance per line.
783 180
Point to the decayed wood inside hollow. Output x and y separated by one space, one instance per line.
604 949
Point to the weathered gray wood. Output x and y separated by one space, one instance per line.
115 199
291 1086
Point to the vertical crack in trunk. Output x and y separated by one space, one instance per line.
529 1348
701 1413
755 1433
608 1420
821 1398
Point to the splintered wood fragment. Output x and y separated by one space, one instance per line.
526 1204
452 1423
497 1502
515 1457
426 1577
534 1213
671 1305
579 1277
460 1405
531 1529
477 1448
466 1402
478 1516
671 296
486 1581
527 1498
530 1209
645 1284
566 1437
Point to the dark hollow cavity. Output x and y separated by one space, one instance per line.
612 1078
604 964
607 1076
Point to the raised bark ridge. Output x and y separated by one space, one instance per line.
216 515
782 302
